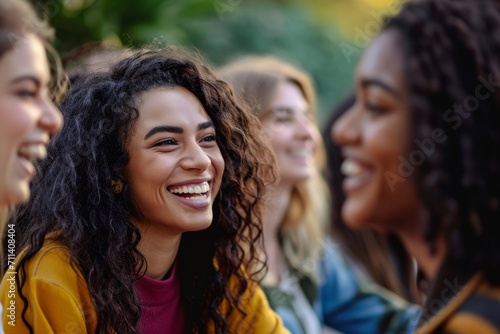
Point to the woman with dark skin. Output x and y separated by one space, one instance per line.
421 153
128 229
382 257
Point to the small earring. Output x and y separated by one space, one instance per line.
117 186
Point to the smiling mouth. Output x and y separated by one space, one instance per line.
28 154
194 192
357 175
32 152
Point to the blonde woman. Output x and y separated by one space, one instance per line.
308 283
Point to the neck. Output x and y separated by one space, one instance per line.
274 211
429 262
160 250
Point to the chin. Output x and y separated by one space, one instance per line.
15 197
199 225
354 216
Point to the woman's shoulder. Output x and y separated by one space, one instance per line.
473 310
254 315
478 313
52 264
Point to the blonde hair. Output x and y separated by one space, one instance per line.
255 80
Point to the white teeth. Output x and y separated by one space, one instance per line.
351 168
197 198
194 189
33 152
303 153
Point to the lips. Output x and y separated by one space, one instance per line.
195 194
302 153
190 189
357 174
29 153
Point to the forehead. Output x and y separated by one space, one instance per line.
26 57
170 105
383 58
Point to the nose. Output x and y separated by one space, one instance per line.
304 128
347 128
51 119
194 157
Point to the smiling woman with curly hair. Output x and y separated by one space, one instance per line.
146 214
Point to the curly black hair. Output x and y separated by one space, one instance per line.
73 198
452 51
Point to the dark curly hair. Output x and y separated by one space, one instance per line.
452 51
73 198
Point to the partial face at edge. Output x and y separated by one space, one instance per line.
291 133
374 134
27 117
175 168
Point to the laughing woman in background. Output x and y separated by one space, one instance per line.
27 115
422 158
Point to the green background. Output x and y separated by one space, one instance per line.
309 34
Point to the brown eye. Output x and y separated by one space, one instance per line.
376 108
166 142
26 94
209 138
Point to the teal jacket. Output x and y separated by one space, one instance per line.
345 301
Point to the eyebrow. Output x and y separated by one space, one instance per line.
26 77
365 83
288 110
175 129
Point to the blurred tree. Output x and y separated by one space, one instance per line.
221 29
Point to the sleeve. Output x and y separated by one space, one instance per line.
52 309
260 318
354 305
469 323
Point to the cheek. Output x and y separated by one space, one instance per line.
16 124
219 166
278 139
386 143
16 120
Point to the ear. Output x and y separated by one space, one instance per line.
117 186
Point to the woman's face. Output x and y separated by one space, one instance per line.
374 136
175 167
27 117
291 133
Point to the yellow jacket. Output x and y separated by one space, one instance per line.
59 301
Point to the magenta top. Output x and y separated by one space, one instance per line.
161 305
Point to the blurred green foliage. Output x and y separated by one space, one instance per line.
221 29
